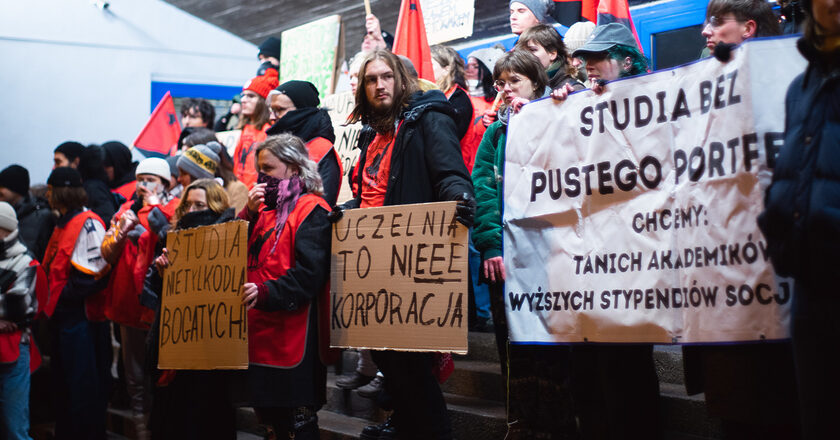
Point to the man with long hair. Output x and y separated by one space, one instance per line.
253 123
412 155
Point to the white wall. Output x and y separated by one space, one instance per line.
72 71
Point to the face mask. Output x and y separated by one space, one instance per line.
271 189
155 188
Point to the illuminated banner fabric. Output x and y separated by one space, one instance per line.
631 216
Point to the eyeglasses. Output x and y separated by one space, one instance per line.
499 85
195 206
717 22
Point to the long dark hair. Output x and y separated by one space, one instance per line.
404 87
485 78
810 28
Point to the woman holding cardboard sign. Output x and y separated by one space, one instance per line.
288 270
189 403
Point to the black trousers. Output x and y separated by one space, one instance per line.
815 330
419 409
80 364
616 391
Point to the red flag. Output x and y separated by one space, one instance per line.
617 11
411 41
569 12
159 138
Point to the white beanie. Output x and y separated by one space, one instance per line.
8 217
154 166
577 35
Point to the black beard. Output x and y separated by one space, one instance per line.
382 121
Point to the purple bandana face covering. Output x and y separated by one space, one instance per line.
282 195
271 189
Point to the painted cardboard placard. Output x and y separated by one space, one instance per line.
203 323
399 279
448 20
340 105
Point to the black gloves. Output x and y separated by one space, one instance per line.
465 209
335 214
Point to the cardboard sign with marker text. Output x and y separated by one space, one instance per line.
399 279
203 323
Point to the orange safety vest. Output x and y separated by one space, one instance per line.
244 157
57 263
279 338
318 148
127 190
471 140
123 291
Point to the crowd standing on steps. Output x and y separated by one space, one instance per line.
82 261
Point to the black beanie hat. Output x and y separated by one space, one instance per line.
70 149
302 93
15 178
65 177
270 47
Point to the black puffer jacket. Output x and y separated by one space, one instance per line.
801 218
35 223
426 163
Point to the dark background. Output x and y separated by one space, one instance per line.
255 20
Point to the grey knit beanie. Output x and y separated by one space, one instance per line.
201 161
541 9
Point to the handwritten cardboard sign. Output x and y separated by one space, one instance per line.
311 52
229 139
448 20
203 322
340 105
399 279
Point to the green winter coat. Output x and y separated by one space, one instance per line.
487 176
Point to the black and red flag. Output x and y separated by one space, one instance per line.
159 138
411 41
569 12
617 11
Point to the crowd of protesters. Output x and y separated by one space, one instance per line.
84 257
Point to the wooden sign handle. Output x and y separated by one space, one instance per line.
367 8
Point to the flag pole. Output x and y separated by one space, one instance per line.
367 8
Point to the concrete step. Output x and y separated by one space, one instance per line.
686 415
480 379
482 347
334 426
669 363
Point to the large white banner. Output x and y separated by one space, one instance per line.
631 216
